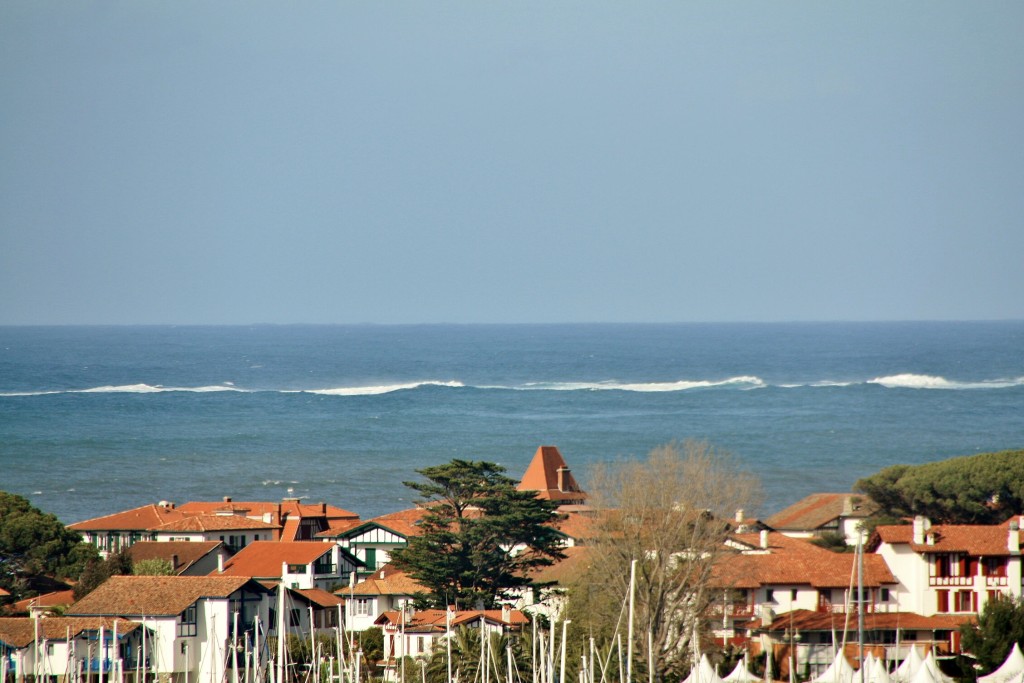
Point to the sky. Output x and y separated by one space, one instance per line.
428 162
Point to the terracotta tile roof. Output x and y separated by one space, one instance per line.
542 476
806 620
54 599
287 507
979 540
153 596
435 620
319 597
794 561
186 552
576 561
19 632
339 528
404 523
263 559
579 526
385 581
819 509
204 523
138 519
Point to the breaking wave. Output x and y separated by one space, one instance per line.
912 381
744 382
741 382
376 390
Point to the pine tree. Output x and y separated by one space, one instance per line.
481 537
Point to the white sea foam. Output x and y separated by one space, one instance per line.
912 381
152 389
379 389
745 382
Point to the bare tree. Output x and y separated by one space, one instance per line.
671 514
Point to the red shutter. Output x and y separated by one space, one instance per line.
943 601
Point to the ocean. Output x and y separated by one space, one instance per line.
94 420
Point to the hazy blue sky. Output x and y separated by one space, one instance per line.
236 162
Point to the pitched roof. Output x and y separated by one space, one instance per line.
137 519
795 561
204 523
319 597
435 620
403 522
543 475
979 540
187 553
154 595
807 620
287 507
19 632
54 599
385 581
819 509
576 561
263 559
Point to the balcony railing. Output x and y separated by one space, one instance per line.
950 580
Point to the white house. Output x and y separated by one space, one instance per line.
189 621
414 634
296 564
64 647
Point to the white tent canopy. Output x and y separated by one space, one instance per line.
929 672
906 671
1010 669
740 674
839 671
703 673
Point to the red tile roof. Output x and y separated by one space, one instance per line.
138 519
806 620
576 561
288 507
542 476
979 540
186 552
54 599
385 581
19 632
263 559
819 509
435 620
209 523
153 596
319 597
794 561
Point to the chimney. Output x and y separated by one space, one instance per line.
921 525
739 516
506 614
227 499
220 563
561 477
764 539
1013 538
174 562
323 509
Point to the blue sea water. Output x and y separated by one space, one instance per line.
99 419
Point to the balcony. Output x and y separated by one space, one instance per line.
950 580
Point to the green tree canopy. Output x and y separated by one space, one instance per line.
999 626
976 489
481 537
35 544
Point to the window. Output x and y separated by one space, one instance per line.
883 595
965 601
187 625
994 566
294 617
371 558
361 608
